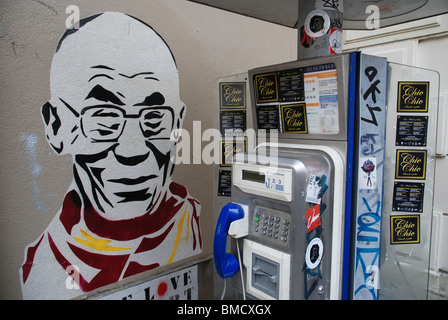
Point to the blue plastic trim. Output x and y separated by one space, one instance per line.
226 264
352 101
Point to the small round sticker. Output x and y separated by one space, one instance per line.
335 41
314 253
317 23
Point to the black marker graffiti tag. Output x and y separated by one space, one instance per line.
333 4
371 73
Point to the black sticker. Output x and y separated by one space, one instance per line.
225 183
228 150
412 131
266 87
291 85
232 94
294 118
232 122
410 164
405 229
413 96
408 196
268 117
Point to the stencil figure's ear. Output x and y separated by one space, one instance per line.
180 120
52 125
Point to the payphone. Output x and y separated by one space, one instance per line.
286 215
291 221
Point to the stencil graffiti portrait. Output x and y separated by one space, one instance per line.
114 103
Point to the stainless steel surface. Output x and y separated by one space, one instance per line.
301 162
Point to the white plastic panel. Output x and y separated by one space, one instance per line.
279 257
270 182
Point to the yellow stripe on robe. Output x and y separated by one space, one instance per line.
180 228
97 244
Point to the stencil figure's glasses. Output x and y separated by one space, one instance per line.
107 123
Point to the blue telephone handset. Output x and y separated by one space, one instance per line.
226 264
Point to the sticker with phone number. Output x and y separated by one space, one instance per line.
275 181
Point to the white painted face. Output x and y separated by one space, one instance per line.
115 91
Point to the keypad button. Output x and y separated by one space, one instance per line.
271 225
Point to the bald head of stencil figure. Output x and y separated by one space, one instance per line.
114 103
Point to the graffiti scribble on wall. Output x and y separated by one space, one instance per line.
114 102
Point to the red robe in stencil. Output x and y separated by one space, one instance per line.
81 251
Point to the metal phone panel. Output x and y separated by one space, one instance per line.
290 226
339 63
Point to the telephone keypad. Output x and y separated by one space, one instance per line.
271 225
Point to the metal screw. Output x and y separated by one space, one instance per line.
321 289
